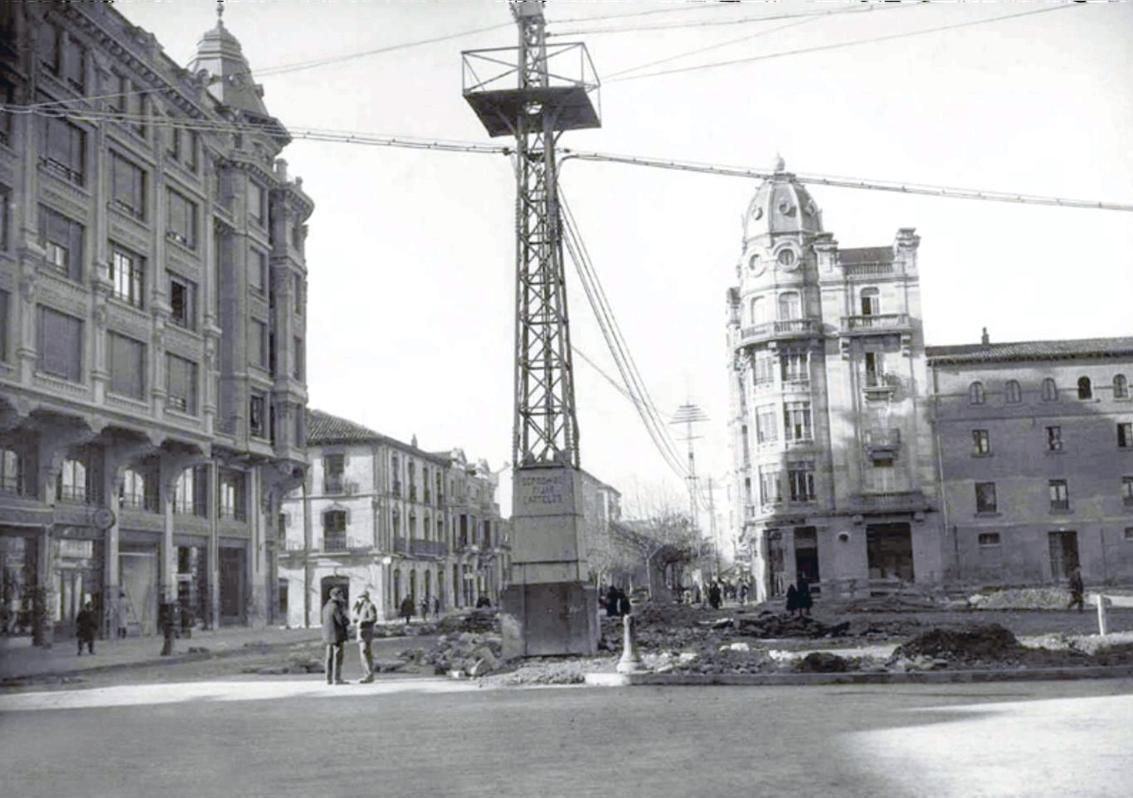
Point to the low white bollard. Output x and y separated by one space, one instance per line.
1103 627
630 661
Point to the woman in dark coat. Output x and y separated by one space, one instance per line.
804 597
612 604
792 599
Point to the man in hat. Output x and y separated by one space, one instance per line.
335 626
365 616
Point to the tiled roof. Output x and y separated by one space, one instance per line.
325 428
1031 350
866 255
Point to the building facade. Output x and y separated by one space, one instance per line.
380 515
152 297
866 461
1036 453
829 421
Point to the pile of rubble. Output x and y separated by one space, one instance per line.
463 654
477 622
969 645
1033 598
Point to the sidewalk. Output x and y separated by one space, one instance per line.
18 658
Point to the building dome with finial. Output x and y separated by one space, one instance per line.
230 77
781 205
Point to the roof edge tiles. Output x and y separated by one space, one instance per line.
1067 349
324 429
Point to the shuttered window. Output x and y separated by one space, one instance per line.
128 186
60 345
127 366
62 240
181 384
62 149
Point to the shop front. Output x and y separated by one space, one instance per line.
233 556
192 583
77 574
18 568
139 565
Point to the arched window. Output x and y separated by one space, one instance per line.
1012 392
759 308
976 393
871 302
1085 390
1120 387
790 307
1050 390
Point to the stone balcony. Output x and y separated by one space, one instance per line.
778 330
908 501
881 323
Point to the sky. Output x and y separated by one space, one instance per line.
411 254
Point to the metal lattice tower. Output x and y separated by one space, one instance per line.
541 103
689 414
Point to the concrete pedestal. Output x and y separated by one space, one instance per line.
549 609
549 620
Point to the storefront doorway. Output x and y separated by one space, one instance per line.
806 555
889 551
1063 554
17 583
138 567
233 578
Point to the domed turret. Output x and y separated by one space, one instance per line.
781 205
219 53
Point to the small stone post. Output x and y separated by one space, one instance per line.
1103 626
631 657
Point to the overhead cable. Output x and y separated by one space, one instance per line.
714 23
840 45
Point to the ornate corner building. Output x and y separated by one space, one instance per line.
829 421
385 516
152 325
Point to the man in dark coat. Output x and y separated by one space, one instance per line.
1077 590
714 596
803 596
86 623
792 599
405 610
335 632
612 602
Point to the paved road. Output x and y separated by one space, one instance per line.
289 736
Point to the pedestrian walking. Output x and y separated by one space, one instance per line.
122 614
437 606
612 602
406 609
1077 590
335 632
803 596
86 623
624 606
714 596
365 616
425 608
744 590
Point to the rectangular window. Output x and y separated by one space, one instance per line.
793 367
181 224
989 539
334 469
128 275
764 368
256 203
8 98
51 48
71 485
297 293
800 479
62 240
231 494
1125 435
127 186
11 471
183 301
874 369
190 496
766 430
1127 491
985 497
62 149
1059 494
181 384
74 62
1054 439
127 366
257 271
796 421
770 488
129 101
297 358
5 216
257 416
981 442
182 147
60 345
258 343
3 326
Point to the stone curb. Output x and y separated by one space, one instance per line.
857 677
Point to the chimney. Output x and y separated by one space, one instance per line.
984 339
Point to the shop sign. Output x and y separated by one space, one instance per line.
76 549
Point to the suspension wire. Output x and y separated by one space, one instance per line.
703 24
619 338
802 21
603 17
615 341
947 192
841 45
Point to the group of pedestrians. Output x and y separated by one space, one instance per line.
616 602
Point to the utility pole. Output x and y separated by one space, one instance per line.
712 526
534 92
689 414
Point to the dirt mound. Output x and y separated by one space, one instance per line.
768 625
977 642
668 615
477 622
467 653
1044 598
822 662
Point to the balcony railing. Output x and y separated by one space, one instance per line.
883 439
13 485
881 322
140 501
334 541
428 548
909 500
338 485
866 269
1060 505
771 330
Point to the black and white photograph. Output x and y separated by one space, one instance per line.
566 398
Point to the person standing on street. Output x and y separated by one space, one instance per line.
406 609
365 616
1077 590
335 626
87 627
714 596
